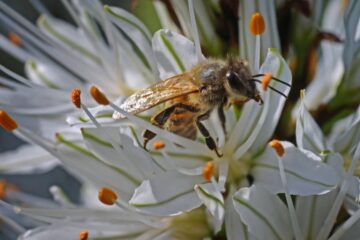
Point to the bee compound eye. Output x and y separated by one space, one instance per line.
233 80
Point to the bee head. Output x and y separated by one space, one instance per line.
238 82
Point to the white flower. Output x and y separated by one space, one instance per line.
59 56
337 151
160 192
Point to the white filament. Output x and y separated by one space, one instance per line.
293 218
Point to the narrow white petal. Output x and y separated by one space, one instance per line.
168 193
214 202
305 173
264 214
174 53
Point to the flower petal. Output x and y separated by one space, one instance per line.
82 162
168 193
138 35
47 74
312 211
214 202
174 53
26 158
265 215
133 160
346 133
308 134
305 173
234 226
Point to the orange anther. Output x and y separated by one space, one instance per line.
107 196
208 171
7 122
98 96
75 97
266 81
276 144
157 145
14 38
257 24
6 187
2 189
83 235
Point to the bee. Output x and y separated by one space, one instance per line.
190 97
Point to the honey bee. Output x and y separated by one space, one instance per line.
190 97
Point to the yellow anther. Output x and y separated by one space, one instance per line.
208 171
7 122
83 235
276 144
257 24
75 97
157 145
14 38
107 196
266 81
98 96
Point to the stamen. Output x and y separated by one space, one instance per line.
14 38
266 81
107 196
7 122
257 24
75 97
257 27
157 145
208 171
83 235
98 96
278 147
294 221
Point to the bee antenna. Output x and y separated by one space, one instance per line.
273 78
272 88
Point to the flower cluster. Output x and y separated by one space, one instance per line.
255 187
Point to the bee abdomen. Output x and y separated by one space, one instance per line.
182 123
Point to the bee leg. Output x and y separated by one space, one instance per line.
158 120
147 135
208 139
222 118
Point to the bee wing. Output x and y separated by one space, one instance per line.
160 92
